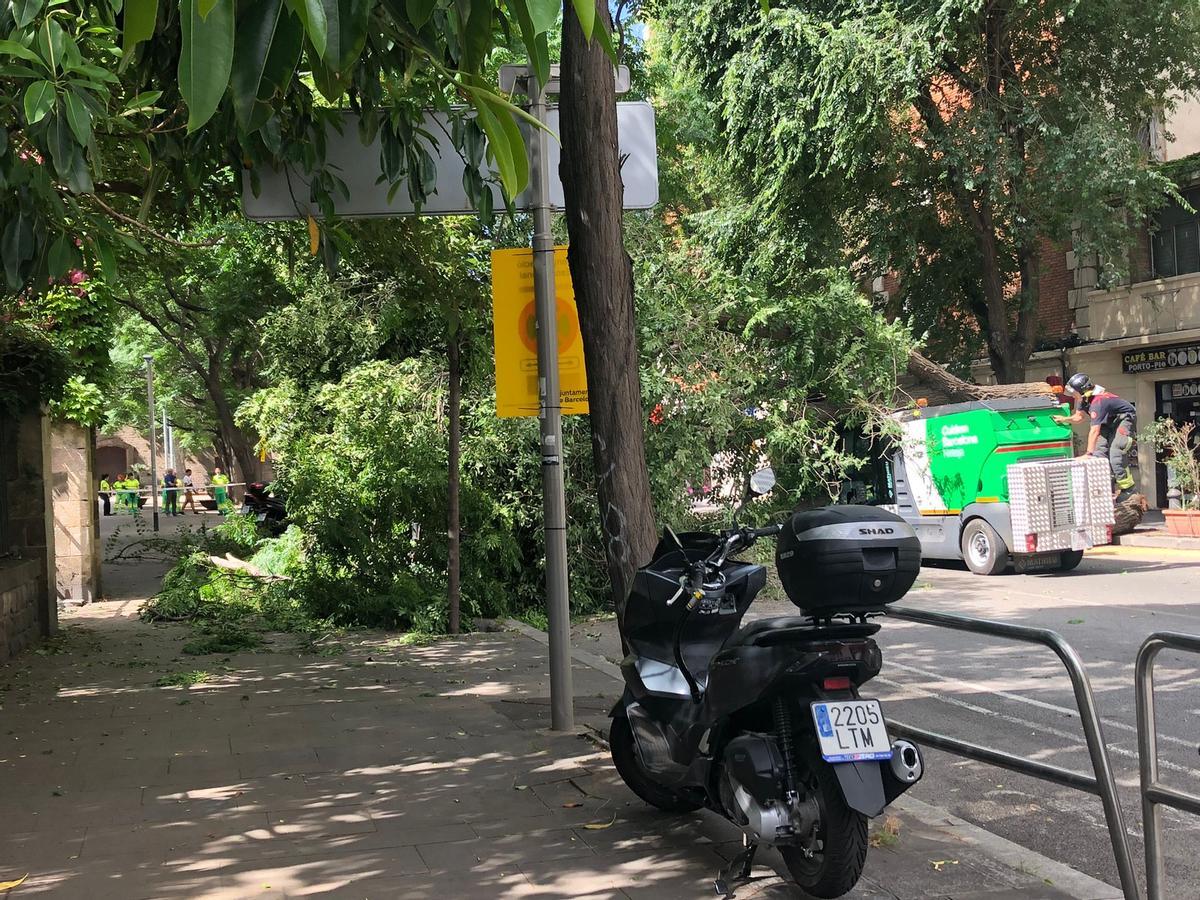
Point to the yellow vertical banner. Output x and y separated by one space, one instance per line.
514 329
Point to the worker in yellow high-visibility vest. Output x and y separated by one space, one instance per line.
131 493
220 493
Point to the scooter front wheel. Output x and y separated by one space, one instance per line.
629 767
830 864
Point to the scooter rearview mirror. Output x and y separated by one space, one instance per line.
670 532
762 482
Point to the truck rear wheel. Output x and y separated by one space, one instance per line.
1069 560
983 550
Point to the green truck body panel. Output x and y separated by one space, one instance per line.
969 450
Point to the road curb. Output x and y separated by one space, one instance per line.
1157 541
1061 876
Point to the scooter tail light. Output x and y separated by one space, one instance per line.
836 683
1031 543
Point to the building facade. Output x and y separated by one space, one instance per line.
1140 339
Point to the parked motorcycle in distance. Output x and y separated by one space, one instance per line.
266 505
764 724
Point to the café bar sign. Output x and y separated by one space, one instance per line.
1154 359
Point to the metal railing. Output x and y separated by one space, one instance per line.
1101 783
1155 794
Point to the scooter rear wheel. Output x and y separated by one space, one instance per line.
839 850
629 767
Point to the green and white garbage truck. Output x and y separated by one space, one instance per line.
994 483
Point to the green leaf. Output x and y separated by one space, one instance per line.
536 45
312 16
504 141
39 100
346 22
205 59
62 145
17 246
12 48
144 100
140 19
79 117
14 71
25 11
62 256
604 39
544 14
420 11
269 40
585 11
79 178
353 17
478 36
205 7
104 257
50 41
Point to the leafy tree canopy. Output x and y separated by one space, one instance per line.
113 115
941 141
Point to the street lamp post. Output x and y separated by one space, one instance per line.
153 438
554 507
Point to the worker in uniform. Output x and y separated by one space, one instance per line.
220 492
133 492
1113 420
106 494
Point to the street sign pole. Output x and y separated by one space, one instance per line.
153 438
554 505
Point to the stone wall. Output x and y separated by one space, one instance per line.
76 531
20 591
28 573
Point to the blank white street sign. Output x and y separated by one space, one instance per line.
284 194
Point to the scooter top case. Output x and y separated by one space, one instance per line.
846 560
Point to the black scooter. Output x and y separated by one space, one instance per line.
266 505
764 724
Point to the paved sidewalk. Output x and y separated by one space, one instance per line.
372 770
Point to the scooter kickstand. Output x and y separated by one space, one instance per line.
742 863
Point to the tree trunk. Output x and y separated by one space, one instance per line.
453 587
1129 514
238 444
929 373
603 279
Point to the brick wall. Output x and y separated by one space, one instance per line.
1056 319
137 454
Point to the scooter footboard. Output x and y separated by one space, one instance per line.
871 785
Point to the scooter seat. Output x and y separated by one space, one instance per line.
797 630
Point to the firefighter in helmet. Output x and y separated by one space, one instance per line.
1112 419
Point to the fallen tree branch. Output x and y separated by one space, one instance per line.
230 563
927 371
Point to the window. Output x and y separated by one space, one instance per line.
1175 245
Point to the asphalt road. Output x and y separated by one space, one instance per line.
1017 697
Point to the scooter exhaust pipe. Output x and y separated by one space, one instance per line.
906 763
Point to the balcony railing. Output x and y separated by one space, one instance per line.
1161 306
